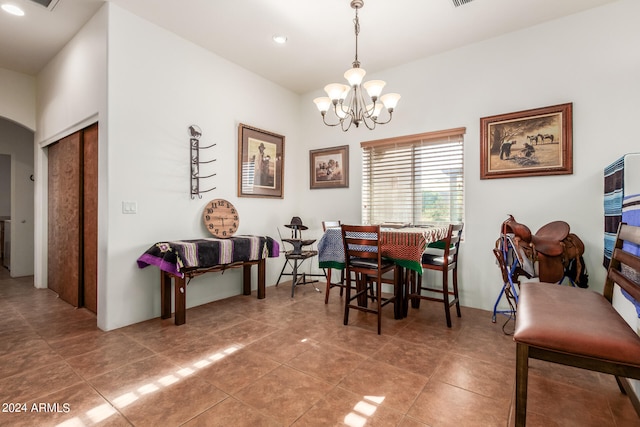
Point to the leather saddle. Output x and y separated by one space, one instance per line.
552 246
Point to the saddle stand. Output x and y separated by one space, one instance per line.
512 265
545 255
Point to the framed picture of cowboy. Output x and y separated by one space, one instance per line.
527 143
329 167
260 162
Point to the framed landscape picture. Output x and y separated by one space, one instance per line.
527 143
329 167
260 163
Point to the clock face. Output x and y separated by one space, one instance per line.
221 218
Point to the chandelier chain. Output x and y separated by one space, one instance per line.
356 22
348 103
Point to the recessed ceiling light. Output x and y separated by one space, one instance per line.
13 9
280 39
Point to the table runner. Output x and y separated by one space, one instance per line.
403 245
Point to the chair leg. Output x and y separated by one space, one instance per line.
455 290
620 385
341 281
326 294
347 300
445 297
522 376
379 302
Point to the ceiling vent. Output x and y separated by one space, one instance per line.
458 3
49 4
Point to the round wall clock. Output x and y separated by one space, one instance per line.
221 218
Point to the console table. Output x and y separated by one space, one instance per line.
185 259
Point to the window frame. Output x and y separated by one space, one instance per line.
420 143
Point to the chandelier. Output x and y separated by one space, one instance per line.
348 102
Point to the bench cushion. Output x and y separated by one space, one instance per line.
574 320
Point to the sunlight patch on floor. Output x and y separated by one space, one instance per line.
363 410
104 411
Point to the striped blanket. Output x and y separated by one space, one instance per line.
174 256
631 215
613 195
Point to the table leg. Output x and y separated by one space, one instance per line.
165 295
246 279
415 287
399 306
180 300
412 283
262 275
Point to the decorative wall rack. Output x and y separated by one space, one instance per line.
195 133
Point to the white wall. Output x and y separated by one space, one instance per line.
159 84
17 142
18 100
585 59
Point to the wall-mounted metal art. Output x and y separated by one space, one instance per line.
195 133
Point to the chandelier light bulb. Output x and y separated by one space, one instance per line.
323 103
390 100
374 88
375 112
355 76
336 91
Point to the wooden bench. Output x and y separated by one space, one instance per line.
577 327
182 260
180 286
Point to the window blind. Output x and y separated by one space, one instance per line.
416 179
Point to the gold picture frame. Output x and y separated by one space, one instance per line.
534 142
329 167
260 163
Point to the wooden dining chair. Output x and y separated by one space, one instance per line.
578 327
444 260
364 260
340 284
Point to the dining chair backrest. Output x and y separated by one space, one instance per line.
361 245
442 260
452 243
330 224
363 258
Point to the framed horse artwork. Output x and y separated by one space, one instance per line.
527 143
260 163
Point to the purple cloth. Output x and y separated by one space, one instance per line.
174 256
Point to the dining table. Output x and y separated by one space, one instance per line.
404 246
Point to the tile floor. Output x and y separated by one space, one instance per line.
278 362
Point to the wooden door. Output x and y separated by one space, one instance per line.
64 260
73 218
90 218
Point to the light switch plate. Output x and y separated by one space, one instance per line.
129 207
